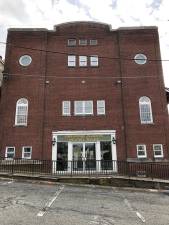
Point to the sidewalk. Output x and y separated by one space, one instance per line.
115 181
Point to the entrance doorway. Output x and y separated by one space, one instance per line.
84 156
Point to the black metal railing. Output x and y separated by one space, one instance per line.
85 168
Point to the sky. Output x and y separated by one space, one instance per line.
117 13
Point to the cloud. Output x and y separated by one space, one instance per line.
113 5
83 6
156 4
14 9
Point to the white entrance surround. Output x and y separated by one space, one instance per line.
86 133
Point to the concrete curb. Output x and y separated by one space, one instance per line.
114 181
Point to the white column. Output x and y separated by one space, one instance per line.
98 156
54 154
70 159
114 153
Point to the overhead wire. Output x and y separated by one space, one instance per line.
68 53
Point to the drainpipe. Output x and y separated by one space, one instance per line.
122 96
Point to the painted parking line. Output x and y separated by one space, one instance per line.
5 183
138 214
50 202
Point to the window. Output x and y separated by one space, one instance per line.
25 60
26 152
83 107
21 112
71 60
82 42
94 60
141 151
66 108
71 42
10 152
145 110
93 42
140 59
100 107
82 61
158 150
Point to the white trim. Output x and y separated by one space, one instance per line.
26 112
83 108
82 60
71 40
71 60
150 110
22 58
145 151
7 147
55 134
23 148
162 153
84 42
83 132
94 63
102 102
95 42
63 108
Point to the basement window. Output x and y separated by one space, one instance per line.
10 152
141 151
26 152
158 150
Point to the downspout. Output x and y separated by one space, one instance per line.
44 95
122 96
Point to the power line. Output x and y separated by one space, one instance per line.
75 77
66 53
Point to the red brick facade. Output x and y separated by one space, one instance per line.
118 80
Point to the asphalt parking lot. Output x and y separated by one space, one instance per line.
25 203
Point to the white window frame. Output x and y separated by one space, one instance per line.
143 114
141 156
20 103
82 61
83 108
94 61
23 152
83 42
162 154
100 107
6 152
71 61
93 42
66 107
71 42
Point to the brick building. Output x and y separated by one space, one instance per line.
84 91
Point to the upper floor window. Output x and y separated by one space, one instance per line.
21 112
141 151
145 110
140 59
82 42
26 152
66 108
94 61
71 42
93 42
25 60
83 107
10 152
158 150
100 107
82 61
71 60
